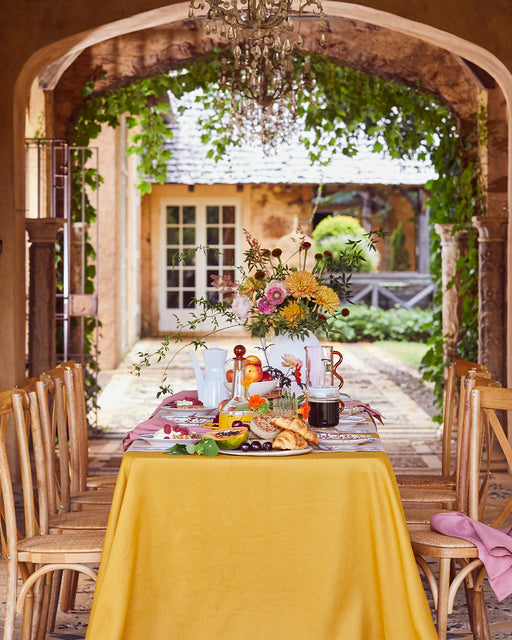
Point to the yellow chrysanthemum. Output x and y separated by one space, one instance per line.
301 284
327 298
249 286
292 313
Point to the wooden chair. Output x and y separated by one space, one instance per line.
91 482
453 397
485 428
418 513
65 411
37 554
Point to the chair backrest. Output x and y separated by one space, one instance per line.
487 406
453 406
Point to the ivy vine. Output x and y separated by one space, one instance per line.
344 105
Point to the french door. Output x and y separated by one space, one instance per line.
212 227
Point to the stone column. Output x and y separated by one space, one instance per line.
492 234
453 246
42 320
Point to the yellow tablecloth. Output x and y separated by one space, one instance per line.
310 547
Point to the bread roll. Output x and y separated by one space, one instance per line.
297 425
289 440
262 428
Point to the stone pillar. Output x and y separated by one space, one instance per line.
492 234
42 321
453 246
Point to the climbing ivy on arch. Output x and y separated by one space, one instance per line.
344 105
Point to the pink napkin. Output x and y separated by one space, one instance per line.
153 423
494 546
363 407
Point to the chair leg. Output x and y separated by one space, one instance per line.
442 601
68 590
56 579
481 630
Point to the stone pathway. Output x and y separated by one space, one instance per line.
409 434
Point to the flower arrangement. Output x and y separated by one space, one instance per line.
274 297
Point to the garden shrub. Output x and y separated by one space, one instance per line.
372 323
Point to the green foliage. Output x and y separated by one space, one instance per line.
339 235
373 323
344 106
399 254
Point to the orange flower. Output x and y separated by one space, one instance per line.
301 284
292 313
255 402
304 410
327 298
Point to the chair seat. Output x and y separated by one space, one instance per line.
432 481
437 545
101 496
62 548
418 517
97 482
445 497
78 520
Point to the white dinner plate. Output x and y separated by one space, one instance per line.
334 437
276 453
167 442
172 411
352 419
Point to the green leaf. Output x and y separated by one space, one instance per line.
178 450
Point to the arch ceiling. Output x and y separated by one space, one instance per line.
370 48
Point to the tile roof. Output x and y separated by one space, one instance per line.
249 164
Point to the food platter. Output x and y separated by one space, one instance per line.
276 453
167 442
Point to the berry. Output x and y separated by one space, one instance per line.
256 445
167 428
245 446
267 446
236 423
345 312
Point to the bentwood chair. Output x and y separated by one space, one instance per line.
37 554
486 433
96 481
453 397
66 418
419 513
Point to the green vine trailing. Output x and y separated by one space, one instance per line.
344 106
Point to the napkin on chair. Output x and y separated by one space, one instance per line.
153 423
494 546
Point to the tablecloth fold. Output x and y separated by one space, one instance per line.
494 546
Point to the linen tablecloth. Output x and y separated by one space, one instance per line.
310 547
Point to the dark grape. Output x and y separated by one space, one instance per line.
267 446
245 446
236 423
256 445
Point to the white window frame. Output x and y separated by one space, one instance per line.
166 317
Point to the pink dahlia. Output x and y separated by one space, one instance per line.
265 306
241 306
276 292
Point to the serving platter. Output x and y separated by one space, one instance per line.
167 442
335 437
172 412
277 453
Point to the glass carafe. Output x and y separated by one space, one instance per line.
237 407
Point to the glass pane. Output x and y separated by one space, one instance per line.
213 296
212 235
172 257
209 274
229 272
189 215
229 235
212 257
188 297
228 215
189 259
173 235
189 278
173 215
229 256
212 215
173 278
189 236
173 300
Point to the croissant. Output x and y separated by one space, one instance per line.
289 440
297 425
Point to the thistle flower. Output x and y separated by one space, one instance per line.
301 284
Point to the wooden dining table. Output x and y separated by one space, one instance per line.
306 547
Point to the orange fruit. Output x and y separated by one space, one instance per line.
252 360
229 375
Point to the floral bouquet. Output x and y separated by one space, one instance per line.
274 297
